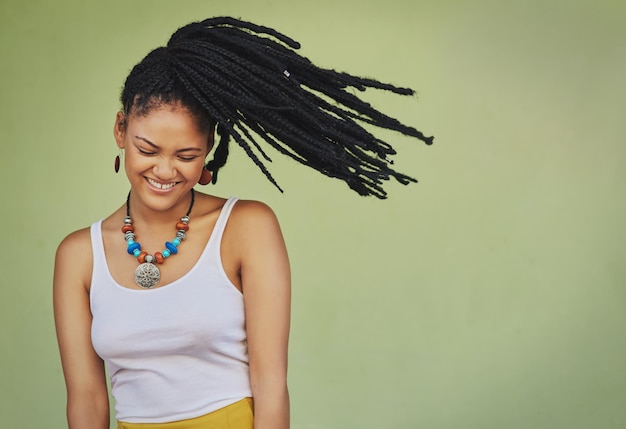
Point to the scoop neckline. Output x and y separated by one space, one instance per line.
175 281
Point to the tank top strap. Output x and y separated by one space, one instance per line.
99 269
220 224
96 239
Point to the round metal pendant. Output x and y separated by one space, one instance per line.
147 275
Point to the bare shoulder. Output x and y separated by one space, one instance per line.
74 257
252 226
75 245
250 219
250 213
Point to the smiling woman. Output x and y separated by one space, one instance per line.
164 153
197 332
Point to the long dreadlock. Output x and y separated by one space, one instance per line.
249 80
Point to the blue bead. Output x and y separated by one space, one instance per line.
132 247
137 252
171 247
130 241
165 253
176 242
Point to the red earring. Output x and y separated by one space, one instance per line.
205 177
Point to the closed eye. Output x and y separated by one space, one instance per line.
145 152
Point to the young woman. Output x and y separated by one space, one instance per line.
184 297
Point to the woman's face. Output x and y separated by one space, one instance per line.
164 154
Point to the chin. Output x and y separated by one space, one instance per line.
162 199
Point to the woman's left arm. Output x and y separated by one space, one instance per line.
266 286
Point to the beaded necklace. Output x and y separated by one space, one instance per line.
147 274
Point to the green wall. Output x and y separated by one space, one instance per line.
489 295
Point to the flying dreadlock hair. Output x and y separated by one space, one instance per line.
249 80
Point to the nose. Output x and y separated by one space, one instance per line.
164 169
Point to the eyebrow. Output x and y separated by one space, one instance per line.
187 149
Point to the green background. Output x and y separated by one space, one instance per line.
489 295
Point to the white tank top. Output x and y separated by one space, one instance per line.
177 351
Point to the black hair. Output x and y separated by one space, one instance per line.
249 80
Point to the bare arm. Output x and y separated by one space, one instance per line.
87 396
266 286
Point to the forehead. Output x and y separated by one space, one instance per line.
144 106
167 122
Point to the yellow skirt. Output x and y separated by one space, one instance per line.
234 416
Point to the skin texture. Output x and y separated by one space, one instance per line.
162 148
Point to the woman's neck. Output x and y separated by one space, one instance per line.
147 216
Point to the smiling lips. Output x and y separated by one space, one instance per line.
164 186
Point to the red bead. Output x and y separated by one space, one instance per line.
159 258
142 257
128 228
183 226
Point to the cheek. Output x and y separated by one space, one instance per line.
192 169
138 164
133 161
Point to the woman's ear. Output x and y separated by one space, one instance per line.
119 129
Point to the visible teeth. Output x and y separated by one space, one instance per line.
160 185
